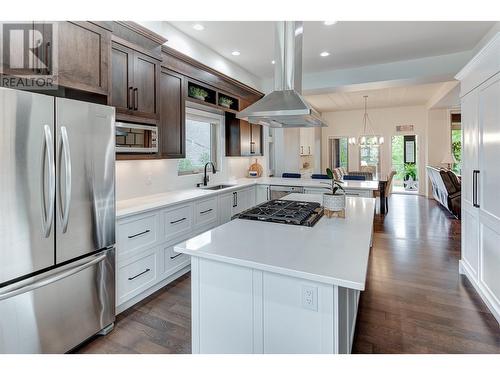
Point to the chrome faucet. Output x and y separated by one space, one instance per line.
205 177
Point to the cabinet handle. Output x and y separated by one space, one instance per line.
252 145
309 147
475 175
235 199
136 98
206 211
175 256
130 99
301 149
177 221
47 55
139 234
267 194
139 274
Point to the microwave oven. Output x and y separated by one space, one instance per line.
135 138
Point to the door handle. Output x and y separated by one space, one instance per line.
177 221
475 175
136 98
139 274
47 56
12 291
65 151
130 98
47 150
139 234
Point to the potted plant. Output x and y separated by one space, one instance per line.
197 93
225 102
410 177
335 199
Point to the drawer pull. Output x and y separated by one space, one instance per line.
139 274
139 234
177 221
175 256
206 211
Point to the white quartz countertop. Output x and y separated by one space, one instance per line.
334 251
150 202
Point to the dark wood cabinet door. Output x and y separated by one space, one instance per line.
245 138
83 56
256 140
172 127
121 78
145 91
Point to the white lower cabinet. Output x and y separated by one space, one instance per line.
264 312
146 260
262 194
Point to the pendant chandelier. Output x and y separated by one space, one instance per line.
368 136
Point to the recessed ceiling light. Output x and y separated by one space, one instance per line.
235 53
329 23
324 54
198 27
273 62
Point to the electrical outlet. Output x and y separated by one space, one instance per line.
310 297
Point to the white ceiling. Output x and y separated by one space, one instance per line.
350 43
379 98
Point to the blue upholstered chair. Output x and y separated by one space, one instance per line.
350 177
290 175
320 176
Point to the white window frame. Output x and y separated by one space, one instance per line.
216 151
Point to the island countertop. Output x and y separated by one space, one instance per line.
334 251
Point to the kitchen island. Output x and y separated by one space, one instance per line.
260 287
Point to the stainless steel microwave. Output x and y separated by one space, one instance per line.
135 138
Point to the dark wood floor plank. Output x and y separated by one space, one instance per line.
415 301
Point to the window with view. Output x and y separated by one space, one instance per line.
201 144
369 154
456 141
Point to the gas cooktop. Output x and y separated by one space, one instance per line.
285 212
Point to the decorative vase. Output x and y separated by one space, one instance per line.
334 202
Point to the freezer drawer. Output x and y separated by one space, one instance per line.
67 306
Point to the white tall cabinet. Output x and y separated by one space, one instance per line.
480 101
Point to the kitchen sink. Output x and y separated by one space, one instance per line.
217 187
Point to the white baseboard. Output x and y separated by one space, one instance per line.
483 293
131 302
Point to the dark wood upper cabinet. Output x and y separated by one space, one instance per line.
242 138
172 127
135 87
83 56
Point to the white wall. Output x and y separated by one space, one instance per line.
384 120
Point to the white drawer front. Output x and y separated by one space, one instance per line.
359 193
178 221
137 276
137 233
172 261
205 212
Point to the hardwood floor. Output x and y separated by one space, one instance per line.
415 300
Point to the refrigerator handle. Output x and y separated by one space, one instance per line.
65 150
51 279
48 151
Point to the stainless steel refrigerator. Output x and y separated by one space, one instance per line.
57 222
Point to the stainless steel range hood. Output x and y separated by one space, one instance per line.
285 107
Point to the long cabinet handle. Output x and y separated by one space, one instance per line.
9 292
175 256
177 221
66 152
206 211
139 234
475 175
47 57
139 274
48 159
136 98
130 99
